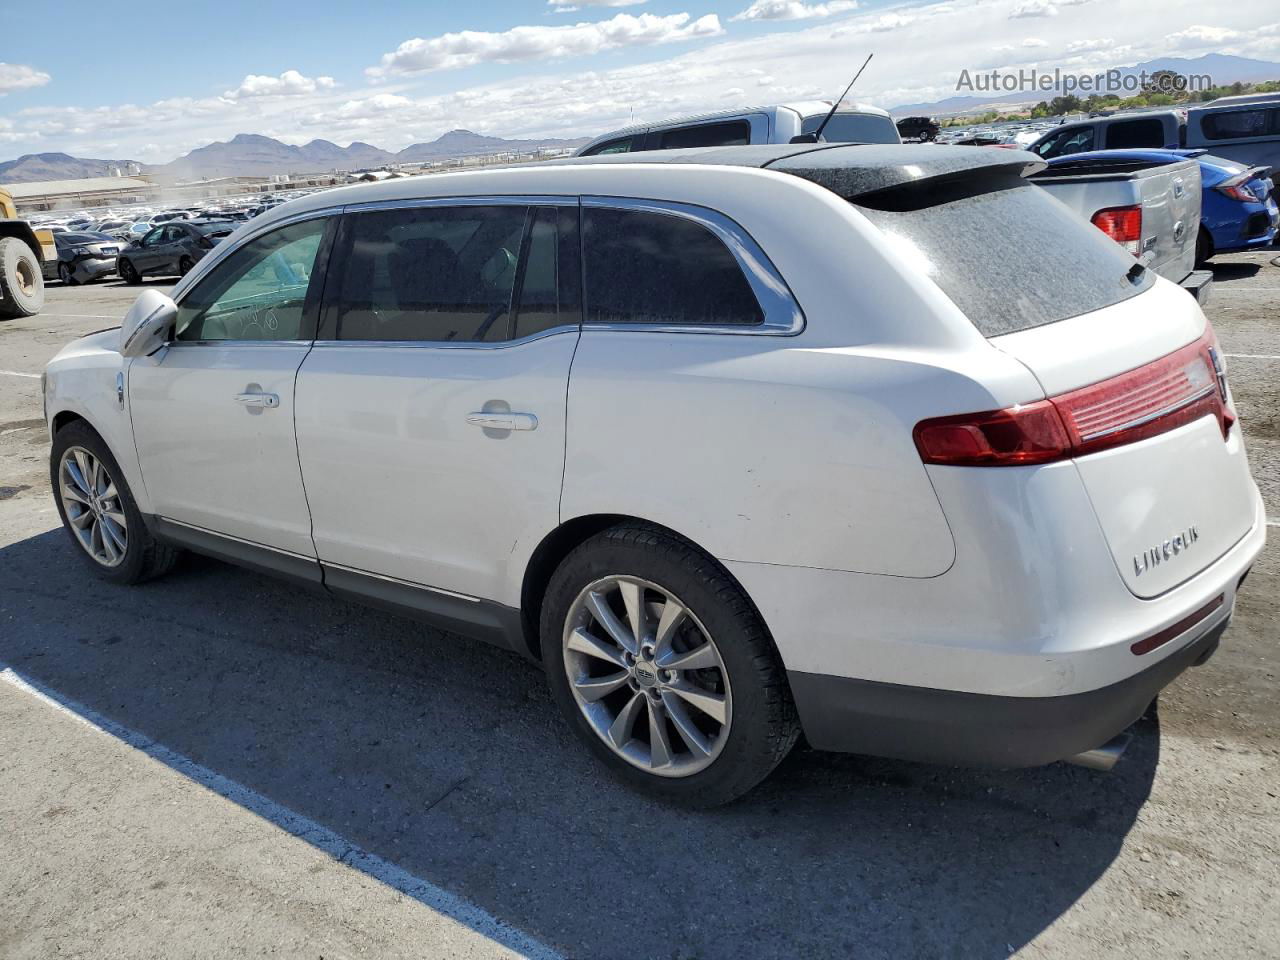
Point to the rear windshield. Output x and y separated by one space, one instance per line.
1010 258
853 128
213 229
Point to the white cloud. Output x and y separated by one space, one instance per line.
375 106
571 6
1202 36
1042 8
465 49
289 84
1034 42
1089 46
794 9
18 76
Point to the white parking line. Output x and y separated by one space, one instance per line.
1252 356
19 373
1273 523
426 893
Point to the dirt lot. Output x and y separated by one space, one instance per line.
215 765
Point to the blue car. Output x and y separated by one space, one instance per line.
1238 204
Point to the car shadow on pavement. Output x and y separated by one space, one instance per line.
447 759
1234 270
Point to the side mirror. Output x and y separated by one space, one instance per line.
147 325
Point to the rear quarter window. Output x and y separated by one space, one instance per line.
658 268
1011 258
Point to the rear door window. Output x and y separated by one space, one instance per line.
1009 255
1130 134
734 133
657 268
454 274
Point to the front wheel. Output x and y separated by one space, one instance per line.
98 510
129 273
185 265
664 669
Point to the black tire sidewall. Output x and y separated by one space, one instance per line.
134 566
739 765
129 273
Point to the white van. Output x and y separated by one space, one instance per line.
857 123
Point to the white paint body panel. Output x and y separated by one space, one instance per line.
401 485
1146 493
215 463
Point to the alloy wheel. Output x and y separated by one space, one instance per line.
92 505
647 676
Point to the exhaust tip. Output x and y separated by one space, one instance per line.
1104 757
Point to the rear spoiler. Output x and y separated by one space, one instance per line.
868 173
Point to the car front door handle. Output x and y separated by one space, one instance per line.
258 399
503 421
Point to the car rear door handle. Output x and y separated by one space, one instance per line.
258 399
503 421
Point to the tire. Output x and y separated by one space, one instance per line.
21 280
1204 247
142 557
740 675
129 273
66 275
184 266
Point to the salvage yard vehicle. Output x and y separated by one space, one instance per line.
1237 203
736 442
1151 207
172 248
857 123
24 250
82 257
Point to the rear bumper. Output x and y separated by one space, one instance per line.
944 726
86 270
1197 283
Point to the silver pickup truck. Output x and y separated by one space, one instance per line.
1151 209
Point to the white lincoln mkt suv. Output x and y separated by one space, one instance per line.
881 443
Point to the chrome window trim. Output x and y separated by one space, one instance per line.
210 261
496 200
449 344
782 314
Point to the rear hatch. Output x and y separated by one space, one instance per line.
1135 390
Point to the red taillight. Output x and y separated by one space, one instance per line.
1121 224
1021 435
1176 389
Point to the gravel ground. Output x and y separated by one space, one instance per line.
276 774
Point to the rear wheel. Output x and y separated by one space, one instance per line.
67 275
129 273
21 280
664 669
98 510
1204 247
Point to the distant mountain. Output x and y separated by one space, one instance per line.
1222 68
249 154
34 167
464 143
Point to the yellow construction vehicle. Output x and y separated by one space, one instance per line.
23 251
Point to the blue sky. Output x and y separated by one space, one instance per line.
115 82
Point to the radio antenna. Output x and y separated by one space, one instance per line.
817 134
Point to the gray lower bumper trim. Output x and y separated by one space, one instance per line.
943 726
